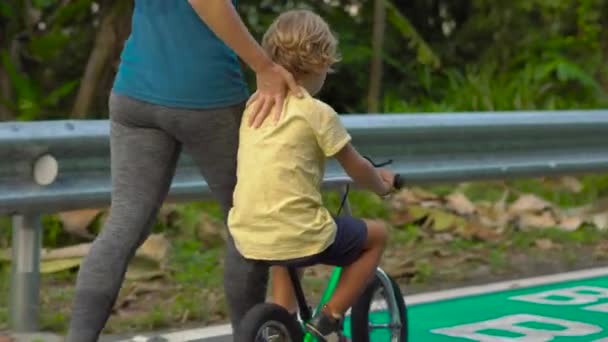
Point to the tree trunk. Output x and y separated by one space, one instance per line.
375 77
604 39
99 59
5 93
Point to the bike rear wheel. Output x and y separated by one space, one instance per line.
371 317
269 322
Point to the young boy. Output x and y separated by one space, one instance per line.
278 215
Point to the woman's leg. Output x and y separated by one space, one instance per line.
143 163
211 137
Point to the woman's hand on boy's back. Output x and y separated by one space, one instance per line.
273 83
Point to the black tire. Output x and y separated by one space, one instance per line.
272 316
360 312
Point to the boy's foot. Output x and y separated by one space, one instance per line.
325 327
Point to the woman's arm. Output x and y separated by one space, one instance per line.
272 79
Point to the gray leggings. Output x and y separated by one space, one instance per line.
146 141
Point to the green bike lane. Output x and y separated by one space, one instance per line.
568 307
562 312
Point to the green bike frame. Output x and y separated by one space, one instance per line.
329 291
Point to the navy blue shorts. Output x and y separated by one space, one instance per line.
351 235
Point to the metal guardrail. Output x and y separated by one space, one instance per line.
424 147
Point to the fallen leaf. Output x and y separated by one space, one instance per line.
401 217
475 230
185 316
486 234
404 268
132 293
601 250
501 204
492 216
211 231
76 222
460 204
431 204
543 220
544 244
404 198
422 194
75 251
528 203
168 214
58 265
418 212
570 223
572 184
143 269
156 247
442 220
599 205
444 237
600 221
442 253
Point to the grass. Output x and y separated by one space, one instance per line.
191 290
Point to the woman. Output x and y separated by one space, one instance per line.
179 86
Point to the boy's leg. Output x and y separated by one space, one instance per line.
350 286
362 241
282 288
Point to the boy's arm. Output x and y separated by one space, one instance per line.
363 172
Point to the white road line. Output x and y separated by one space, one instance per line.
226 330
505 285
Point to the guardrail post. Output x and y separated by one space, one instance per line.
25 278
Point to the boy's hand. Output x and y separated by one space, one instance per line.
388 179
273 82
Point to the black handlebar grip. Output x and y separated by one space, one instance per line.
398 182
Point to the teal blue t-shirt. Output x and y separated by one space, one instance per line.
173 59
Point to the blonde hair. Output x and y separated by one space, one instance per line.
301 42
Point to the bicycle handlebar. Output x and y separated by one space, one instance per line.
398 182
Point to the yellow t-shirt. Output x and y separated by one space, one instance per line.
278 212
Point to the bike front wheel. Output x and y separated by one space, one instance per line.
269 322
372 318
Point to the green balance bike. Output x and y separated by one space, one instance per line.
379 315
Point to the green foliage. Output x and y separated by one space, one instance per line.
439 55
424 52
43 49
30 101
6 10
